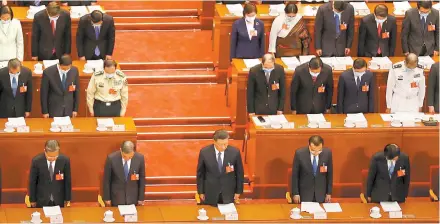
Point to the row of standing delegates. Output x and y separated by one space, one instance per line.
45 2
50 179
107 92
312 88
51 35
334 32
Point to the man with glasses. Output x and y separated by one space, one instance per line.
312 173
49 178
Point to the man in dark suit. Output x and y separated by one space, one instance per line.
312 172
79 3
220 174
95 38
15 90
311 90
33 2
124 177
388 176
51 33
266 88
433 86
49 178
60 89
247 35
356 89
334 29
377 34
420 31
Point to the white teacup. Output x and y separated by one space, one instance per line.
8 125
38 67
53 125
108 215
373 65
36 217
295 213
375 212
202 212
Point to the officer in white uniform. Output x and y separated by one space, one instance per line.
406 86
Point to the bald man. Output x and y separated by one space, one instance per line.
266 88
406 86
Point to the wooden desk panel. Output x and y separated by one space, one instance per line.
223 21
271 151
86 148
237 90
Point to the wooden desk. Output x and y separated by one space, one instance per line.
223 26
271 151
86 148
237 90
352 213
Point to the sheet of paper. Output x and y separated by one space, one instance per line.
236 9
36 9
311 207
78 11
316 118
332 207
48 63
291 62
407 116
383 62
356 117
259 123
305 58
107 122
52 211
328 60
127 209
436 6
251 62
401 7
426 61
278 119
360 8
92 8
390 206
279 8
386 117
344 60
97 65
17 121
227 208
62 120
310 10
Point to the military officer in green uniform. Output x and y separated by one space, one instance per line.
107 93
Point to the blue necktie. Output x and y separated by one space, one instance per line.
391 170
220 162
358 81
314 165
97 30
37 2
337 22
126 170
14 86
423 23
64 80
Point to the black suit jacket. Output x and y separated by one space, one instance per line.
86 41
414 36
11 106
304 183
433 86
304 94
351 98
116 188
79 3
379 183
212 182
261 99
325 31
43 41
369 41
57 100
41 186
29 3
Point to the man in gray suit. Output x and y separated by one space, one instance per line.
433 86
124 177
220 174
334 29
312 173
420 34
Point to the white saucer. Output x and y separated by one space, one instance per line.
296 217
376 217
8 130
55 129
203 218
38 73
85 71
349 126
109 220
36 222
396 125
312 126
101 129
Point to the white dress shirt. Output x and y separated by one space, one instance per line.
249 27
312 157
53 165
389 162
128 163
222 155
11 41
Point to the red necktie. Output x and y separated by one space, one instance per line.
314 79
379 33
52 24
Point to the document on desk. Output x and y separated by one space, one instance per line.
383 62
127 209
359 117
426 61
52 211
278 119
328 60
227 208
251 62
310 10
390 206
361 8
17 121
305 58
316 118
97 65
235 9
259 123
332 207
386 117
62 120
436 6
291 62
92 8
279 8
311 207
107 122
48 63
347 60
408 116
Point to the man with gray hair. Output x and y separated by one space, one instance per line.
266 88
124 177
220 174
15 90
406 86
49 178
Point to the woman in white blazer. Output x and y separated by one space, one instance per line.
11 36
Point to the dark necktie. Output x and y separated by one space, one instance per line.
358 81
14 86
97 30
220 162
391 170
315 165
51 170
126 170
337 22
423 23
64 80
267 74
